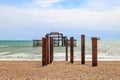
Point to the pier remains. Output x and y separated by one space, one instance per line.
59 40
56 39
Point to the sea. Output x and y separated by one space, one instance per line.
23 50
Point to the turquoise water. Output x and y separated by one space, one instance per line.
24 50
18 50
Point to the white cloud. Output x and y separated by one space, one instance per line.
46 3
11 17
103 4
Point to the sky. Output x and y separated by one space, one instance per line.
32 19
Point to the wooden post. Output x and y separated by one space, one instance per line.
72 49
94 51
82 49
51 50
66 50
47 48
43 51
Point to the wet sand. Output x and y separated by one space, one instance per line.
59 70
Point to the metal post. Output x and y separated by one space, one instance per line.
82 49
72 49
62 41
66 50
47 48
43 51
37 42
51 49
58 39
94 51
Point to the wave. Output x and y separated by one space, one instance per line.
3 46
5 53
21 56
57 56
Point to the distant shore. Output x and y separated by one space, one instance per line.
57 60
59 70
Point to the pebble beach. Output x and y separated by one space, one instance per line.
59 70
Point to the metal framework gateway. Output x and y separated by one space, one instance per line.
59 40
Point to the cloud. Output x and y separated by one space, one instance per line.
46 3
11 17
103 4
72 4
80 18
64 4
52 15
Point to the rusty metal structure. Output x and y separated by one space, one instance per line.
59 40
37 43
56 39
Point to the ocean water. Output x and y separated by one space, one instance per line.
24 50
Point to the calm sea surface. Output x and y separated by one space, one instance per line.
24 50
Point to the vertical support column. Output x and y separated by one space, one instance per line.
47 48
94 51
43 51
66 49
51 49
34 45
82 49
62 41
72 49
37 43
58 39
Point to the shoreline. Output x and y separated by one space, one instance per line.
56 60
